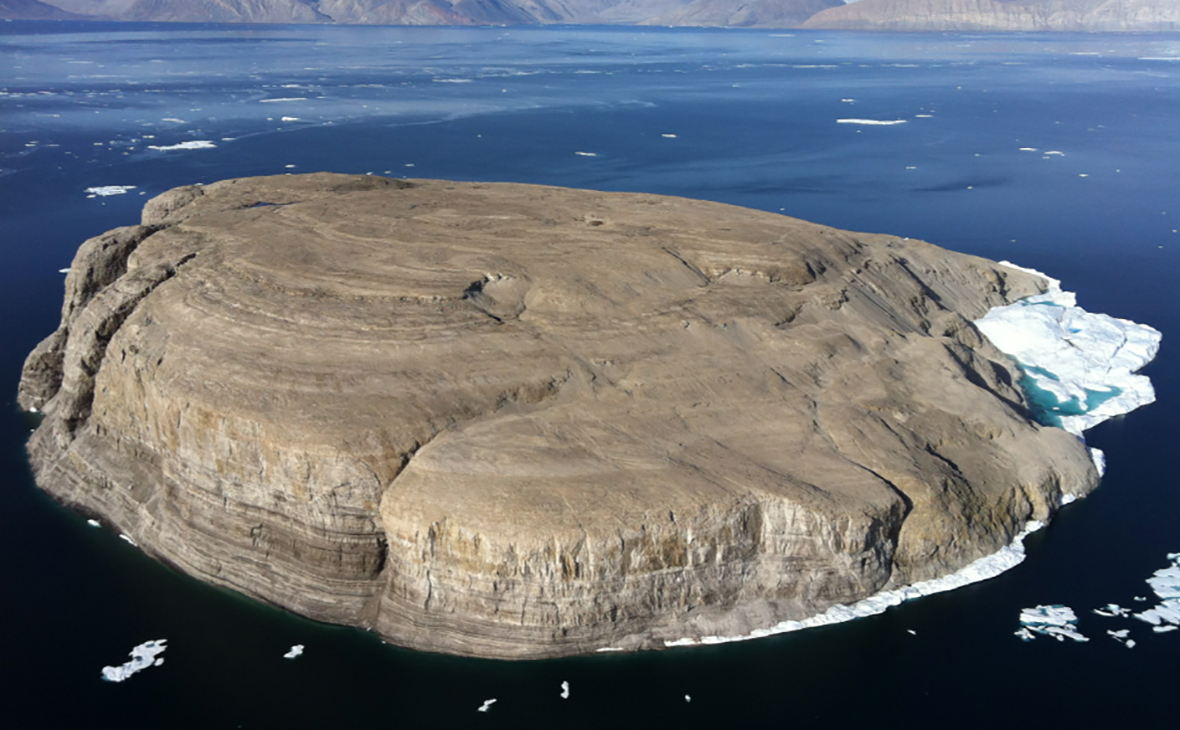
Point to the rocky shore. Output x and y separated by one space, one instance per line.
520 421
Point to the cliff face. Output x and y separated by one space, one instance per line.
520 421
1005 15
460 12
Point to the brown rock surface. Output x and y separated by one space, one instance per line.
1004 15
523 421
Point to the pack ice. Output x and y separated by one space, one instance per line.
1079 368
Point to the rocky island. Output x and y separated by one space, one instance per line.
519 421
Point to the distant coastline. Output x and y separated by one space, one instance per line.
884 15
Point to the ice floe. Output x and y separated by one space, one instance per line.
1165 582
1113 610
1121 637
195 144
1055 620
565 690
587 154
143 656
1079 368
487 704
105 190
876 122
294 651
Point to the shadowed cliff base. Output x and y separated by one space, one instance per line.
523 421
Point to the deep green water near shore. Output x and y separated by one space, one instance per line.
744 117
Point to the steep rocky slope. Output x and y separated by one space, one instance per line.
522 421
1014 15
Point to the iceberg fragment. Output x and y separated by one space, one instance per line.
1165 582
143 656
294 651
487 704
1054 620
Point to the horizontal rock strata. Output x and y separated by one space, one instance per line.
1001 15
522 421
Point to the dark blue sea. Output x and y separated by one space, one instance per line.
748 117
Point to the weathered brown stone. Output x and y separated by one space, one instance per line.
523 421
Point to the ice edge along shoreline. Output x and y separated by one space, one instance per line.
1037 344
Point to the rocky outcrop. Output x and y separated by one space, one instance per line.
1004 15
522 421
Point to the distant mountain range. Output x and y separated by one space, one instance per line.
1029 15
893 15
764 13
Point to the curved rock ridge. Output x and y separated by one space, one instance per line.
520 421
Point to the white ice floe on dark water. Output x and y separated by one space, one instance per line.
294 651
487 705
872 122
1055 620
195 144
143 656
1165 582
103 191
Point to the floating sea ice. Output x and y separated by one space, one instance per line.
565 690
93 523
1165 582
1121 637
587 154
688 698
1111 610
1079 367
486 705
289 98
124 536
1054 620
196 144
143 656
668 136
290 119
1055 152
877 122
294 652
105 190
1028 149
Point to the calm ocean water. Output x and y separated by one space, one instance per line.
743 117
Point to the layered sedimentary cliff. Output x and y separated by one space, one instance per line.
1004 15
522 421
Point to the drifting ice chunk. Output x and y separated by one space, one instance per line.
872 122
196 144
1055 620
1165 616
142 657
1121 637
565 690
1111 610
294 652
104 190
486 705
1078 367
